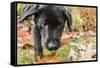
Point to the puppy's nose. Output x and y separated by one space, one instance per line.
52 46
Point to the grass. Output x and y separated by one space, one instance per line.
63 52
24 57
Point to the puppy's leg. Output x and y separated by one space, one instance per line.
37 44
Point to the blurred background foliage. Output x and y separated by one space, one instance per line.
19 10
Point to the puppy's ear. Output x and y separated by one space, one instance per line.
27 11
68 16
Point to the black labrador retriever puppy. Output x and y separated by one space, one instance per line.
49 23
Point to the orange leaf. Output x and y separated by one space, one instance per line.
64 41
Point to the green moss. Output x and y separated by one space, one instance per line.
63 52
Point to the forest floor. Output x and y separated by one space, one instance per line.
75 46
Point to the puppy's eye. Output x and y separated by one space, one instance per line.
45 24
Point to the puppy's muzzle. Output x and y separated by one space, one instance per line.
53 45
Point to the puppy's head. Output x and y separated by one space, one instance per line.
50 21
51 34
